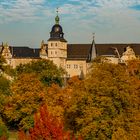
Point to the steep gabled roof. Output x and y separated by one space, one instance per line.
24 52
82 51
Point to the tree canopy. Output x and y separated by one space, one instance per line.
106 104
45 70
26 97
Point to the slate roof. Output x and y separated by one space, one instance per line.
78 51
82 51
107 49
24 52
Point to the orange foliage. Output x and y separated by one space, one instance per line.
3 138
26 97
134 67
73 81
47 127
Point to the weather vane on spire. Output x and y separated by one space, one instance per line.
57 10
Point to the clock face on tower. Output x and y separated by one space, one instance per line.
56 29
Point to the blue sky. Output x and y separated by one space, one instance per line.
27 22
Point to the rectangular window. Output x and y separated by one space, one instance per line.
75 66
68 66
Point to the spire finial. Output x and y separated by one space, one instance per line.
6 45
57 10
57 17
93 36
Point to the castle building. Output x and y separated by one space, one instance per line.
74 58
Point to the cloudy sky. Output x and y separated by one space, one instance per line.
27 22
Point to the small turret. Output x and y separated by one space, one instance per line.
43 50
6 53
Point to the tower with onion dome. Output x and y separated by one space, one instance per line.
57 45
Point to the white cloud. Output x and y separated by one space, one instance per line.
28 10
106 17
114 17
20 10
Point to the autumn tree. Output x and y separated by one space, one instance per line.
26 97
46 127
133 68
4 94
4 85
4 67
106 104
2 62
45 70
3 130
73 81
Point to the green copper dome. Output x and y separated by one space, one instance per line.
57 19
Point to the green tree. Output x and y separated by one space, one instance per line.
106 104
46 71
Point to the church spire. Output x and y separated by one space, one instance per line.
92 53
57 18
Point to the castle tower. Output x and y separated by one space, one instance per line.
57 45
